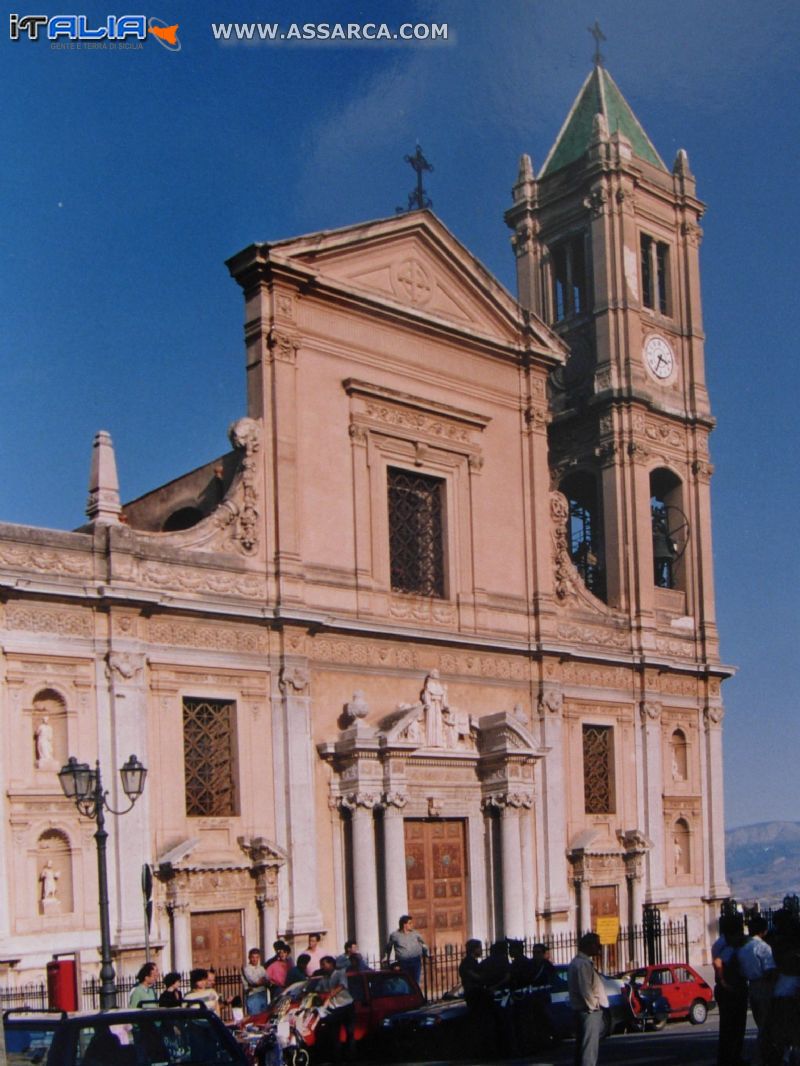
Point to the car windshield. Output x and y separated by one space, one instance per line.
27 1043
153 1042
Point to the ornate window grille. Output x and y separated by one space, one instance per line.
208 757
598 769
416 538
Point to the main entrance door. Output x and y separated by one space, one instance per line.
436 873
217 939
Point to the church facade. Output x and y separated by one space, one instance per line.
436 635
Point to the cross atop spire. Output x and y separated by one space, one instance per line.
418 198
599 36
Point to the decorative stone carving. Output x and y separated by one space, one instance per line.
650 711
713 716
246 435
596 201
692 233
35 619
356 709
200 635
411 282
202 580
435 806
282 346
19 557
353 800
422 609
293 679
551 702
121 666
395 798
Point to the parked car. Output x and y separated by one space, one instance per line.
537 1014
377 994
143 1037
686 993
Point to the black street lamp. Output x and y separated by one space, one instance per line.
85 787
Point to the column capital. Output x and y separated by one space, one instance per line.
355 801
712 716
650 711
509 801
395 799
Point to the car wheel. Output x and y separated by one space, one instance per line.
698 1012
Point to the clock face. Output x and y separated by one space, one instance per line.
659 357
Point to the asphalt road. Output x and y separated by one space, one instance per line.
679 1044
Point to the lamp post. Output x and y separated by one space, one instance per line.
85 787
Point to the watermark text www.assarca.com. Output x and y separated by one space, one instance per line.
270 32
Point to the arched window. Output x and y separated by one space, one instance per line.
585 530
670 528
679 755
681 845
183 518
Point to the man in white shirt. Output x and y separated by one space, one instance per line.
588 999
757 965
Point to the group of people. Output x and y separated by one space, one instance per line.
760 970
506 968
201 982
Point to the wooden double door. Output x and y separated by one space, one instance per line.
217 940
436 876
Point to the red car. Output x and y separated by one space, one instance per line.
376 994
688 995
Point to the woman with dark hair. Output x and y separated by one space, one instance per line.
172 995
144 994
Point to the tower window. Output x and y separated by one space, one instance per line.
598 769
208 755
569 278
655 274
585 539
416 533
670 528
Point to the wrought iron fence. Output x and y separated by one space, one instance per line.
652 942
31 995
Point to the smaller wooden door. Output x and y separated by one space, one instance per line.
217 939
604 903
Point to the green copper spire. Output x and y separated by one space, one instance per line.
599 95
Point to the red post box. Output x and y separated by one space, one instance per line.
62 984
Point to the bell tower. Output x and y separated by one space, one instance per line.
606 239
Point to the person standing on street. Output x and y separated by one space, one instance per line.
588 999
408 946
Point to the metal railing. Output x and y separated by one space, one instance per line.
652 942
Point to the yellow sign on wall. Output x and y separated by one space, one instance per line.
608 930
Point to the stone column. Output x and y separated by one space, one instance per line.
528 873
650 714
395 886
293 772
129 836
181 932
365 875
583 920
552 861
715 815
510 805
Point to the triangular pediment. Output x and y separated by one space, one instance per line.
413 262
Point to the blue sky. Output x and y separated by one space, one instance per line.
129 177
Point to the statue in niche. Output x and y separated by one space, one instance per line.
677 855
434 700
44 745
49 880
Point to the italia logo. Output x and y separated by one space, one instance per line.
79 28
